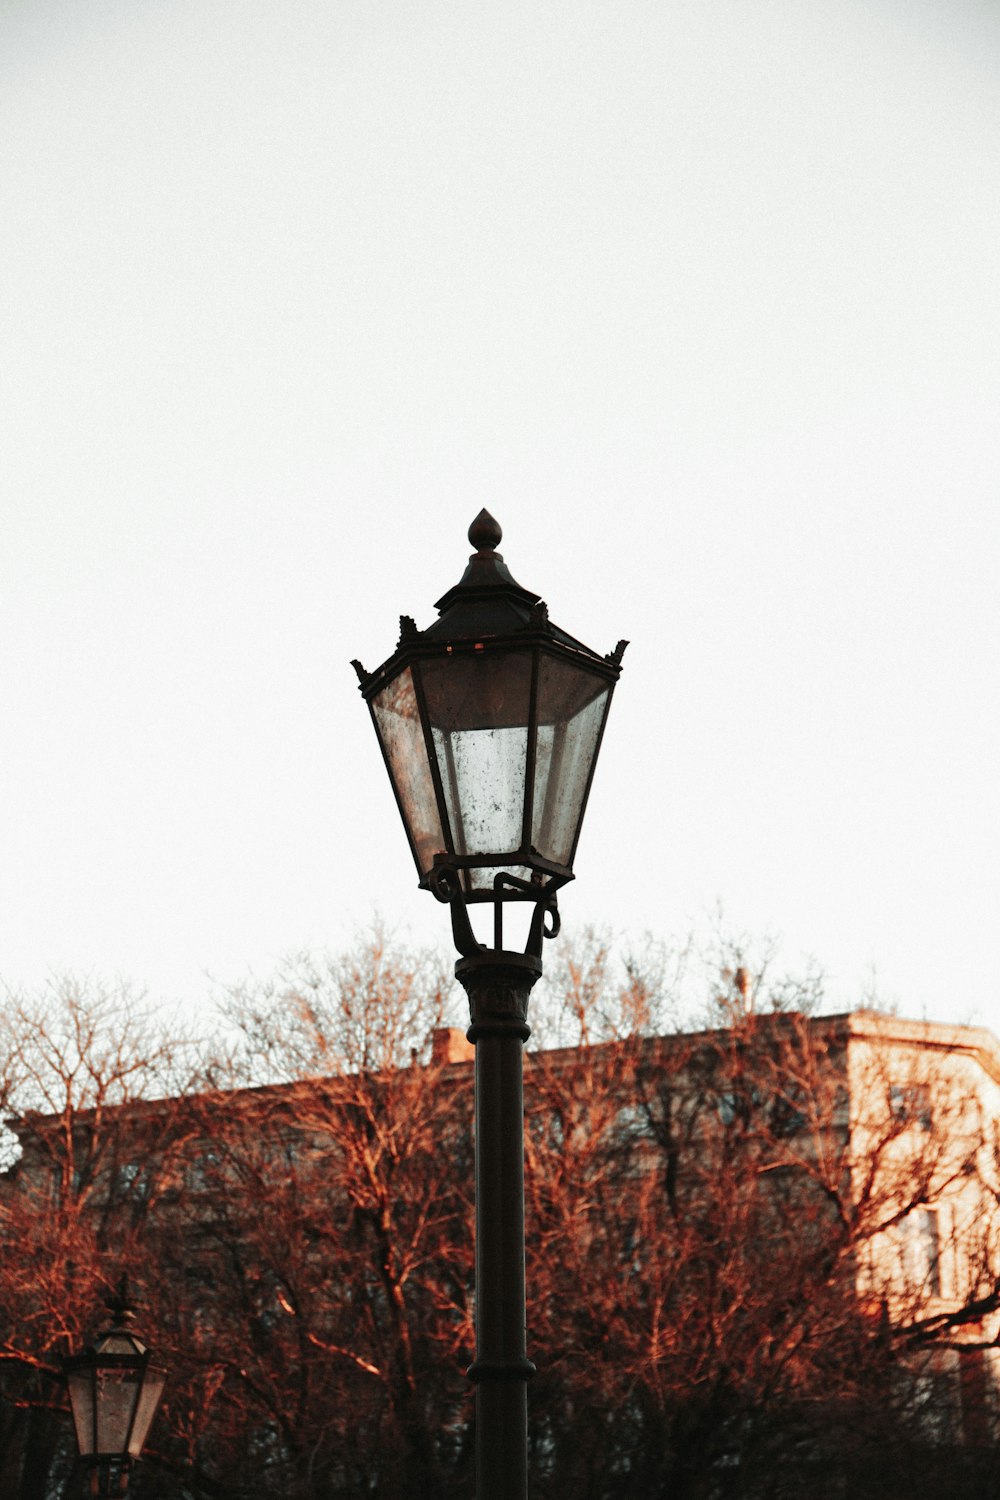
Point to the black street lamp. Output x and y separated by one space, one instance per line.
490 722
115 1386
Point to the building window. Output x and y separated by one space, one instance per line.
737 1106
789 1113
921 1251
910 1103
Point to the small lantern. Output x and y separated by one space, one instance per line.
114 1389
490 722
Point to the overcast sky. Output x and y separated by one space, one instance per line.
700 299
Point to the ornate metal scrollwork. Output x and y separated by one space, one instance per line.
446 884
407 630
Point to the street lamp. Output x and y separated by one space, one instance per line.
114 1389
490 722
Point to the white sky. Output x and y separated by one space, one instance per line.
701 299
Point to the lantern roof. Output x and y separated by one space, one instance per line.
118 1338
487 603
488 600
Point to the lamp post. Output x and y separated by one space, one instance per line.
115 1386
490 722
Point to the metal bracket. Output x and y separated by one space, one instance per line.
446 884
545 905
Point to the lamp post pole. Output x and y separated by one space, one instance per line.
498 985
490 721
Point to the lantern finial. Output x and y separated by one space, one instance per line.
484 533
119 1303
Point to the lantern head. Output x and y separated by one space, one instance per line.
114 1389
490 722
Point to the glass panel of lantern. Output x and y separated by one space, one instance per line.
478 706
80 1381
397 719
149 1399
572 703
116 1391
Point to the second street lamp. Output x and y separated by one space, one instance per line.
490 722
114 1389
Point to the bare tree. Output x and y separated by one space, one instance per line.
717 1285
85 1167
331 1226
758 1249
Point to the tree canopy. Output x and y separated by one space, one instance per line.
291 1200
